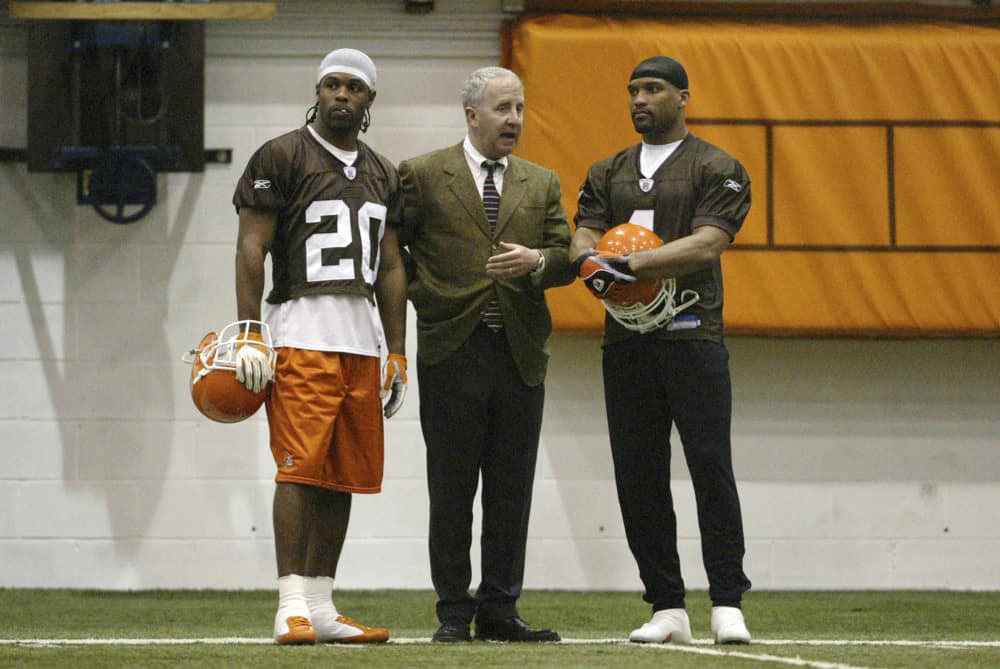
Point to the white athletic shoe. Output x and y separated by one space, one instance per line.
292 627
666 626
728 625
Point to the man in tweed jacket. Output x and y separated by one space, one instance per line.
478 276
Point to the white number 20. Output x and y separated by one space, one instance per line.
371 216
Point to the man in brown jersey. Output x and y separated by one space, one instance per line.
675 371
325 206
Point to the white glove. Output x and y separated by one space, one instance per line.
253 369
393 384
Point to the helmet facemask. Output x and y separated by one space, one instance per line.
643 317
221 353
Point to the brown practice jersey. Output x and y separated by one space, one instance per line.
331 216
697 180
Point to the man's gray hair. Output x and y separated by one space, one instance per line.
475 86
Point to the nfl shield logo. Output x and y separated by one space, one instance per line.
645 185
350 172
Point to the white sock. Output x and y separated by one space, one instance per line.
319 598
292 596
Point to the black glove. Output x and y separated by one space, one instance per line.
602 272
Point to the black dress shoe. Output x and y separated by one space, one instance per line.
512 629
452 633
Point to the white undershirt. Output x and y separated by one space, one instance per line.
344 323
651 156
338 322
346 157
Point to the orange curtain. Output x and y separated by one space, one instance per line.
873 148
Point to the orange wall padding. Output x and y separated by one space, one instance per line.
873 148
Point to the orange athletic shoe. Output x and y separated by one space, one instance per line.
293 630
346 630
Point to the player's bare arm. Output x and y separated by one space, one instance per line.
257 228
390 290
583 239
681 256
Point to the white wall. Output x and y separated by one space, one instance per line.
863 463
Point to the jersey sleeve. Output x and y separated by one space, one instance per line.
725 194
593 199
262 185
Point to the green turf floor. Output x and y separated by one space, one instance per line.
827 630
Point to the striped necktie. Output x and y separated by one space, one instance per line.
492 316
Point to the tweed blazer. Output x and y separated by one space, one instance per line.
448 240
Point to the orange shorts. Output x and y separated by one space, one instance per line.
325 417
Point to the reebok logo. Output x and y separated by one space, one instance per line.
261 184
732 185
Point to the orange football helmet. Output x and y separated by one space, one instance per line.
646 304
214 388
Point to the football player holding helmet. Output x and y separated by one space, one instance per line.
674 379
231 371
640 305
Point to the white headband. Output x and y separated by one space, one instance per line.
351 62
